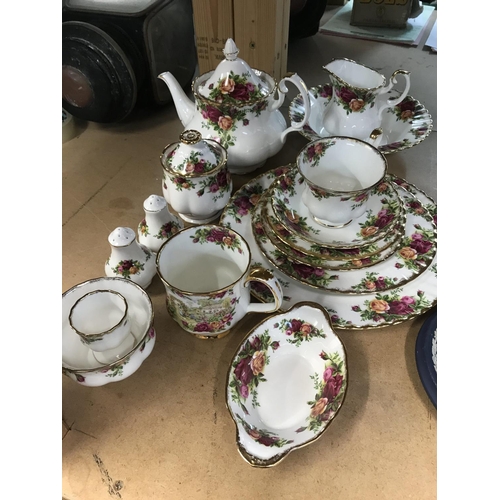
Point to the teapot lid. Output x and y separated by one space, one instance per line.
193 156
234 81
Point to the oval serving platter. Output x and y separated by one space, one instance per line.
286 383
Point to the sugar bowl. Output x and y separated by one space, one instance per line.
196 180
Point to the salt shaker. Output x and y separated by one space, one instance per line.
129 259
158 225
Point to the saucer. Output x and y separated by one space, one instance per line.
286 383
383 207
401 129
356 312
315 251
357 260
79 362
416 251
426 354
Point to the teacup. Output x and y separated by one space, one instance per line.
101 320
206 272
357 104
339 173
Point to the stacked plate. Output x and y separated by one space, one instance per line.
380 269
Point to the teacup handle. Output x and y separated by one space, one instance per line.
266 277
394 102
282 90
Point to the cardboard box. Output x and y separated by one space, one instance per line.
258 27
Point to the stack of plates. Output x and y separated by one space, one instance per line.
379 270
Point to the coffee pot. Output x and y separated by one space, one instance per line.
236 106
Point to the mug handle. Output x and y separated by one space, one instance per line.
394 102
266 277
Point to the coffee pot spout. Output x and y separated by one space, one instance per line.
184 106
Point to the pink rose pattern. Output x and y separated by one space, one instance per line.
298 331
247 370
330 391
263 436
220 236
233 100
351 99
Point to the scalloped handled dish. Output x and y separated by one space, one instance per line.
286 383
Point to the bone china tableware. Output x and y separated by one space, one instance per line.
78 360
196 180
206 273
286 383
374 310
383 208
158 224
426 356
403 126
129 259
100 318
359 98
339 173
236 105
414 255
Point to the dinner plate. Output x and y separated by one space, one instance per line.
286 383
374 310
403 126
417 250
426 356
383 208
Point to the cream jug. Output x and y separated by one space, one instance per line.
359 99
236 106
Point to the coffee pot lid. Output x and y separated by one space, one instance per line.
234 81
193 156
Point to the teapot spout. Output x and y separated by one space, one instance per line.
184 106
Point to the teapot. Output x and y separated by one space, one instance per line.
360 96
236 106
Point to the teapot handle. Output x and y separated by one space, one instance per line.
282 90
391 102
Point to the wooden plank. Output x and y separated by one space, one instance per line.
213 25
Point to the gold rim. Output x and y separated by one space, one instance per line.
110 330
247 456
222 161
380 235
125 357
379 155
346 84
211 292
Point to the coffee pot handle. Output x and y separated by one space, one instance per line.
282 90
266 277
391 102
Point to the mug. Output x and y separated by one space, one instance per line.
206 272
358 103
339 173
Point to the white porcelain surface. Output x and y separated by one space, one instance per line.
286 383
403 126
196 180
239 110
369 311
158 223
339 173
360 97
129 259
206 272
382 207
79 362
100 318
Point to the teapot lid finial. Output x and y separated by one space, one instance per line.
230 50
